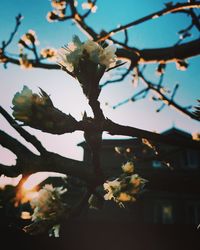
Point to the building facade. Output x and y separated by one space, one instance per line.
172 194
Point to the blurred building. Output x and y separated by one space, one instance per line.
172 195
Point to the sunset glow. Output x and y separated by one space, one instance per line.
37 178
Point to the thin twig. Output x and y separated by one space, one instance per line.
90 10
156 55
126 37
171 9
18 22
121 78
164 98
142 92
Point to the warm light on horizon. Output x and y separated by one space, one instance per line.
35 179
32 181
28 190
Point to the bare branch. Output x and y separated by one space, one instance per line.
79 20
90 10
174 91
29 163
170 54
195 19
121 78
139 95
53 162
9 171
126 37
162 55
34 49
169 9
28 137
12 144
165 99
116 129
33 63
160 108
18 22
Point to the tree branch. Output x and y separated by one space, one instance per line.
79 20
29 163
121 78
28 137
170 54
13 145
90 10
9 171
139 95
169 9
116 129
18 22
164 98
55 163
34 63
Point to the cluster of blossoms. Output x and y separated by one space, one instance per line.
28 39
75 53
49 53
181 65
25 41
126 187
59 7
87 62
89 5
24 104
58 4
48 205
38 111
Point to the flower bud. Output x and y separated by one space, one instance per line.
128 167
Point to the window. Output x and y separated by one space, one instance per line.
163 213
191 159
167 216
193 213
156 164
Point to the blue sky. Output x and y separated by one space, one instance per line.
66 93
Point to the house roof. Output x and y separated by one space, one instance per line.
177 132
127 142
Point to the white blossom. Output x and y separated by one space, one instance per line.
107 56
49 53
125 187
23 102
48 204
59 5
29 38
70 56
55 230
111 187
128 167
89 6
